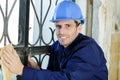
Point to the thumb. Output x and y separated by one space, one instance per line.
29 59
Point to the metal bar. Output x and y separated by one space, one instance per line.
6 8
37 17
36 50
41 22
24 28
12 9
5 23
44 22
2 12
56 2
24 22
5 33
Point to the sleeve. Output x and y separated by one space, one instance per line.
87 63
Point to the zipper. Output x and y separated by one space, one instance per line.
62 60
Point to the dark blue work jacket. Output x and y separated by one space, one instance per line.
83 59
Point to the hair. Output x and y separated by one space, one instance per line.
77 22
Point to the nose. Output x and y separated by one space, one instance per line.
61 30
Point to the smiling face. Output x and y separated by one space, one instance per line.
67 31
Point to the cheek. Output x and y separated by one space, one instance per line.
56 32
79 29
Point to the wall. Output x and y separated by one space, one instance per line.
102 25
106 31
114 69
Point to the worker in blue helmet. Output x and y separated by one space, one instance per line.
73 56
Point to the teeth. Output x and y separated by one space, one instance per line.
62 37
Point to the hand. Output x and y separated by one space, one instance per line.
32 63
12 61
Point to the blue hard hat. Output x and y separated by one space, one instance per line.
67 10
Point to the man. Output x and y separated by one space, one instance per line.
73 57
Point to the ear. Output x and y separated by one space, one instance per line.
79 28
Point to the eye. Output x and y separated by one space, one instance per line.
68 25
58 26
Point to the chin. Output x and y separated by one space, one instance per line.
65 45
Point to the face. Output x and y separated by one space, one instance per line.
67 31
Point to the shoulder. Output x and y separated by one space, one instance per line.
83 41
89 51
88 43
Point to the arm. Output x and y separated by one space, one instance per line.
87 63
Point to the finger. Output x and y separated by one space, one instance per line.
6 63
30 61
5 60
29 58
7 56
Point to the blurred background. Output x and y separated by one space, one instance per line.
26 24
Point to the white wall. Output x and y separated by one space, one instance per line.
83 6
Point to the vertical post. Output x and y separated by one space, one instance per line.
24 26
23 36
89 18
24 22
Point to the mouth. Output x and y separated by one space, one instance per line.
62 37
